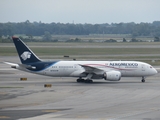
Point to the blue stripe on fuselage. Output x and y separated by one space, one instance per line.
39 66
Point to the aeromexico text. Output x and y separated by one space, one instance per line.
124 64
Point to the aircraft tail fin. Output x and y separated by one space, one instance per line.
25 54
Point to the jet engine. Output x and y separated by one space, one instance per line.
112 75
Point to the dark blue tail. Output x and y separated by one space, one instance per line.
25 54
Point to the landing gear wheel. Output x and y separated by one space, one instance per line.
80 80
88 81
143 80
91 81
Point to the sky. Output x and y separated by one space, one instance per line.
80 11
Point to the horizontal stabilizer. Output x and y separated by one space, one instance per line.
14 65
11 64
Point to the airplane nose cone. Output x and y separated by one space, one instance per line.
154 71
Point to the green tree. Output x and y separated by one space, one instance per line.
156 39
47 36
134 40
111 40
124 40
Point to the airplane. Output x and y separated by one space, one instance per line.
85 71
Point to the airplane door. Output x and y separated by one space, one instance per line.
143 67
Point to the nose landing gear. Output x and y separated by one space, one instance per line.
143 79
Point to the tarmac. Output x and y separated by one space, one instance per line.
128 99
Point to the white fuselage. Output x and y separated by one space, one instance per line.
74 68
108 70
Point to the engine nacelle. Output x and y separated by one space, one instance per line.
15 66
112 76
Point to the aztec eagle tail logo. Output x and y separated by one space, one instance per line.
26 55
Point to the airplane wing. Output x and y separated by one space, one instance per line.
92 70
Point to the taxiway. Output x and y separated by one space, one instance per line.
69 100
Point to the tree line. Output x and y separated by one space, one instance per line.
39 28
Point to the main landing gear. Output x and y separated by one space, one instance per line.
80 80
87 80
143 79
